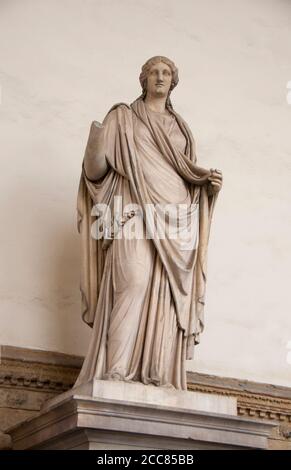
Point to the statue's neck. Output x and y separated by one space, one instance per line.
157 104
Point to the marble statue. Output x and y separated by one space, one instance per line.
144 296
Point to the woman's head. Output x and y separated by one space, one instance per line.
159 75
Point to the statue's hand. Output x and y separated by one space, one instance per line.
214 182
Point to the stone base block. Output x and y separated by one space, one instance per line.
137 393
117 415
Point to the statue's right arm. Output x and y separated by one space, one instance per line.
95 163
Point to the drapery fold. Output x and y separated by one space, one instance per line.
185 271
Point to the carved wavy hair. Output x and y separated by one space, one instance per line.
145 71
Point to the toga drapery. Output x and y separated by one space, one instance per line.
144 298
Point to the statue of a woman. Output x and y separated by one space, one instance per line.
144 296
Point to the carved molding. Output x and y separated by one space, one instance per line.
255 400
29 377
38 370
5 441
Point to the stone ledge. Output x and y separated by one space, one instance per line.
81 422
256 400
39 356
30 377
150 395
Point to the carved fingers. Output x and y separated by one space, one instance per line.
215 181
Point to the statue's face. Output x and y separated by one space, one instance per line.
159 80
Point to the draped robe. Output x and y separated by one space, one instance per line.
144 298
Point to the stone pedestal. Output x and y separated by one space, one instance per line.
117 415
138 393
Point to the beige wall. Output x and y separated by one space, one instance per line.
63 64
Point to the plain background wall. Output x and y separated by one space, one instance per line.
66 62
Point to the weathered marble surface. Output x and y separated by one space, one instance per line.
28 378
149 395
82 422
240 114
